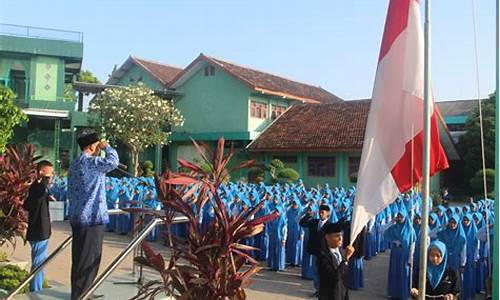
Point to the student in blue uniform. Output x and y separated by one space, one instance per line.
402 238
355 278
454 239
277 241
469 283
442 281
295 235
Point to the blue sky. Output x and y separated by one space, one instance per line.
330 43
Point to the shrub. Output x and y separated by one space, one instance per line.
255 175
287 175
148 168
11 276
17 172
477 182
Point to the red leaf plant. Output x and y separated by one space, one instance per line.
17 172
208 264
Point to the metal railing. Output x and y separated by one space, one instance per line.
134 243
41 32
61 247
54 253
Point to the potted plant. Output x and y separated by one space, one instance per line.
208 264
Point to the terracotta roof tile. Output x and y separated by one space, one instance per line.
164 73
317 127
273 83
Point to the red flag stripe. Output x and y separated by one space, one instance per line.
401 172
395 23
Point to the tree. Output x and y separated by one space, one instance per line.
470 143
10 116
135 116
85 76
477 183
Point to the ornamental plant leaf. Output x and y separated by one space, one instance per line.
208 263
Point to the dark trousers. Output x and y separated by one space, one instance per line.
86 252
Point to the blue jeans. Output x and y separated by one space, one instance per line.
39 253
314 272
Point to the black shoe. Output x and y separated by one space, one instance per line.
315 295
95 296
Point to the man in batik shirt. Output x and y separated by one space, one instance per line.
88 213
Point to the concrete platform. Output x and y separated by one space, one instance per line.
109 289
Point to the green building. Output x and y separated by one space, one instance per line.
217 98
36 63
263 116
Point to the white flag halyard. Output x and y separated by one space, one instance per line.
395 120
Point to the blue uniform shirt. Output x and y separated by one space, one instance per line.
87 188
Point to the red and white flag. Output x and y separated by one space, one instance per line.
395 121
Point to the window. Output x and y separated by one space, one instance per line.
321 166
353 168
277 110
209 71
258 110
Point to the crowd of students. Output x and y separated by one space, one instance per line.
457 234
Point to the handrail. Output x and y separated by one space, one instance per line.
63 245
140 237
54 253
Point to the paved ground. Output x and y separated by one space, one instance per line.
285 285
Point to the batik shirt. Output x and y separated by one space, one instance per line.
87 188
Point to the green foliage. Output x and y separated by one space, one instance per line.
255 175
17 172
470 143
85 76
212 263
280 173
477 182
11 276
135 116
148 168
10 116
287 175
3 256
276 164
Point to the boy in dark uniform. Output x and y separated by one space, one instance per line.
332 263
37 205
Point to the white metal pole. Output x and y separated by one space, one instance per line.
426 151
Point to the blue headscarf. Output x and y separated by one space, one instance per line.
402 232
436 221
470 233
454 239
435 273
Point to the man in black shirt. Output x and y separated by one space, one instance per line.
37 205
315 236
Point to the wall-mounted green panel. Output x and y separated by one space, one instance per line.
46 78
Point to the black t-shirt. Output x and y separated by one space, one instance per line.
37 205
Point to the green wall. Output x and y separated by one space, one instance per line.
34 46
213 104
135 72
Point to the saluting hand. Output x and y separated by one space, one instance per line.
103 145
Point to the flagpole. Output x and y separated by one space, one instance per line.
497 159
426 152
